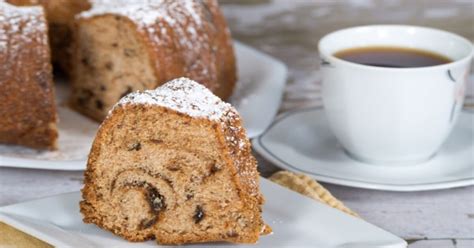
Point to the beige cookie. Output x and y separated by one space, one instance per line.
11 237
307 186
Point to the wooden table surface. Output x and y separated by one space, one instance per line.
290 30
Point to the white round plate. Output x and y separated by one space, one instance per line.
301 141
257 97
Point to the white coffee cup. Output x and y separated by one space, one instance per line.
387 115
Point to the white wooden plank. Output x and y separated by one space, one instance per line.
432 244
465 243
415 215
444 243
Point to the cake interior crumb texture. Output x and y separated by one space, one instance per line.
173 164
111 63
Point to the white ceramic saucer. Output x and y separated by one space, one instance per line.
301 141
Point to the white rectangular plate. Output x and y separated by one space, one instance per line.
257 97
297 221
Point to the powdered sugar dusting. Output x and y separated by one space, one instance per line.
19 26
142 12
181 25
185 96
189 5
145 12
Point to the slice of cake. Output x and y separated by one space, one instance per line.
124 46
27 108
173 164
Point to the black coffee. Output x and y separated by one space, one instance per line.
397 57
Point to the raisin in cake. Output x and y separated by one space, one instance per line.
173 164
27 108
120 48
60 16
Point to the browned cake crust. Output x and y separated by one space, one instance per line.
27 109
158 171
60 16
123 48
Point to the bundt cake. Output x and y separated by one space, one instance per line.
60 16
120 48
27 108
173 164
